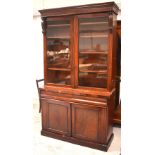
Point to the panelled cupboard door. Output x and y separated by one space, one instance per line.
56 116
89 122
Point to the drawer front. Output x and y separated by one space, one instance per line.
81 99
89 123
56 116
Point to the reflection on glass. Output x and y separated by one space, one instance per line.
58 52
59 77
92 62
93 35
90 79
58 44
93 50
93 70
58 29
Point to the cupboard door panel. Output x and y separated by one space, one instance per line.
56 115
88 123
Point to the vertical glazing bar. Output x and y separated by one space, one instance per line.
110 54
72 52
44 26
76 50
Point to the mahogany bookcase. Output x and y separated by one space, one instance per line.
78 97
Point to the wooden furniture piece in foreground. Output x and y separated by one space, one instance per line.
117 111
78 96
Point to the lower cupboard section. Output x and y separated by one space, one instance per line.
77 123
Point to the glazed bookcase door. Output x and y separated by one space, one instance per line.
93 50
58 54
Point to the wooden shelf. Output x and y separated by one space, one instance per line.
59 38
93 71
94 23
94 53
93 36
59 69
97 31
57 25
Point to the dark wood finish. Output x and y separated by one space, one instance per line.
63 69
88 123
83 9
89 120
117 112
111 53
80 90
76 46
89 100
102 147
72 53
118 63
56 116
79 111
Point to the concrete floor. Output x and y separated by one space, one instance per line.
48 146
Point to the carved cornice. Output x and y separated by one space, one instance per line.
44 24
82 9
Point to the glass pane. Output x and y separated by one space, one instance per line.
58 44
93 35
59 77
93 51
58 51
90 79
